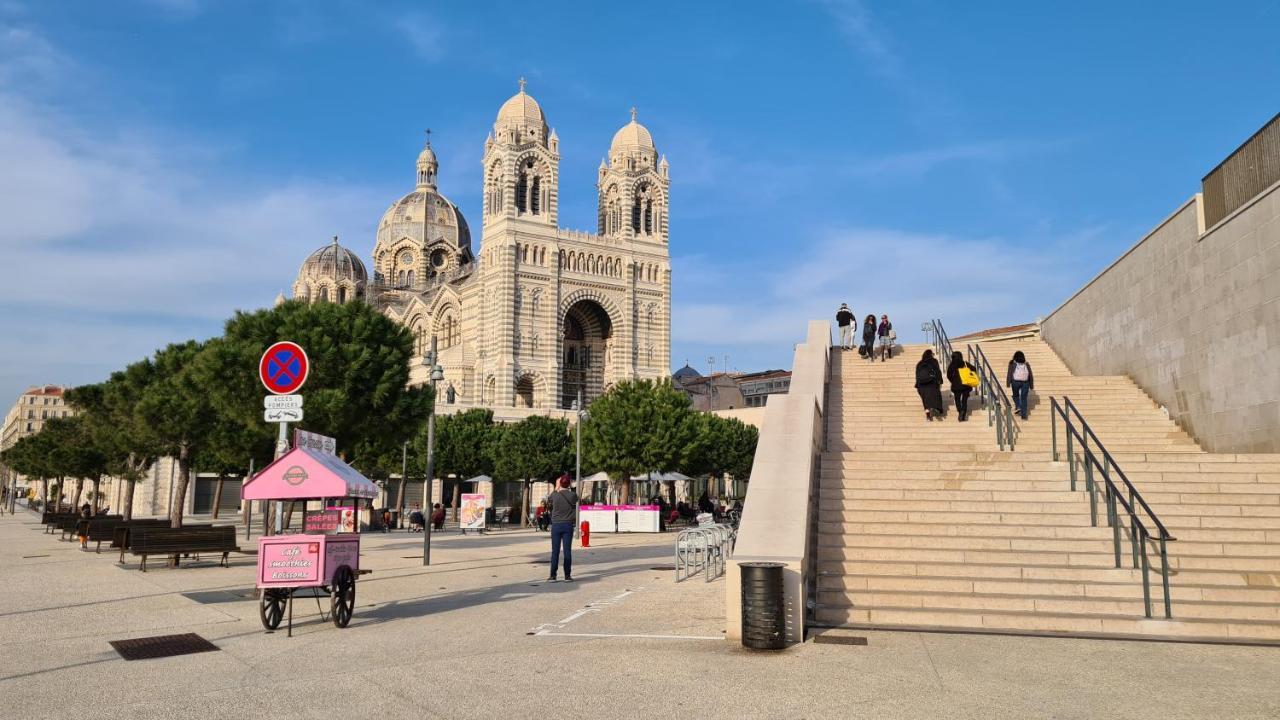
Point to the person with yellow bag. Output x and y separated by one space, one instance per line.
964 378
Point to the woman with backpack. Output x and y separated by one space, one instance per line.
963 378
1021 382
929 385
869 337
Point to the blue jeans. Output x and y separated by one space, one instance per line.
1021 388
562 537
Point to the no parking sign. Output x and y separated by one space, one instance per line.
284 367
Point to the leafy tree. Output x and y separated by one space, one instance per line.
536 448
30 457
464 444
722 446
638 426
175 411
356 390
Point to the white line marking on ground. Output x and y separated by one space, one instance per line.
630 635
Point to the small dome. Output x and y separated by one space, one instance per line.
425 216
633 135
333 262
521 109
427 156
686 373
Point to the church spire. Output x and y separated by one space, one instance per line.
428 166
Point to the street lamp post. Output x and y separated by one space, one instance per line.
404 481
577 462
436 374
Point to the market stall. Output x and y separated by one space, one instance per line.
322 557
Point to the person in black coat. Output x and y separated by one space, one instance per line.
959 390
1021 382
869 337
929 385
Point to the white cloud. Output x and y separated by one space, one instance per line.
424 34
970 283
124 243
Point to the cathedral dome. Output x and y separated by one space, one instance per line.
520 120
331 273
334 262
634 143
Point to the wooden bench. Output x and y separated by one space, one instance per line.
192 540
51 519
73 527
122 532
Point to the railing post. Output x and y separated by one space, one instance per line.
1071 452
1164 577
1146 581
1133 536
1053 427
1114 522
1088 485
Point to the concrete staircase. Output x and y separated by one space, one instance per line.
926 525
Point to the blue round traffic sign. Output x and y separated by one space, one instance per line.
284 367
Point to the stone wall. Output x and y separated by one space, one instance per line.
1193 316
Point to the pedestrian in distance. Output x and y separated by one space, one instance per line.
962 375
564 503
887 336
86 512
848 326
929 385
437 517
869 337
1021 382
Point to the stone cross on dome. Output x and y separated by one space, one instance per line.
633 113
522 83
427 132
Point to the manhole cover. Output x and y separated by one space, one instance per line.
162 646
663 567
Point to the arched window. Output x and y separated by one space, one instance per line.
522 191
324 294
342 295
535 194
408 278
648 217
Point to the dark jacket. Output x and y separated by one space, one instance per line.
935 372
869 331
563 504
844 317
1031 377
953 375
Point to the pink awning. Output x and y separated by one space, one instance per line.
304 473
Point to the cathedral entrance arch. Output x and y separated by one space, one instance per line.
587 338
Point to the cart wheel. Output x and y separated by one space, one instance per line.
271 607
343 596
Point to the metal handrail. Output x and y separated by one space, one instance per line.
1139 536
999 408
941 341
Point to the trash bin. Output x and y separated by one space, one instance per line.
764 620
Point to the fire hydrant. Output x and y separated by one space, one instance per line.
586 533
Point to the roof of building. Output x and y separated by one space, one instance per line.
335 262
992 332
521 109
764 375
45 390
686 372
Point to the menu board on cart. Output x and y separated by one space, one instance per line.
288 560
638 518
603 518
323 522
471 515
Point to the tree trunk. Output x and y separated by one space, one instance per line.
79 492
178 505
524 504
671 493
97 483
45 498
126 512
400 503
217 494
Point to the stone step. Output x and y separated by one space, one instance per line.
1035 623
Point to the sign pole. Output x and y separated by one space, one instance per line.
431 458
248 504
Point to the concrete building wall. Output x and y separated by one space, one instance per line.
1193 316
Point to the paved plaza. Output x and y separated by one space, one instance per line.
480 634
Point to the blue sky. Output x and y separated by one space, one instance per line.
164 162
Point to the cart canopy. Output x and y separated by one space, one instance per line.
304 473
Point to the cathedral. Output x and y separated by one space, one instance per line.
538 314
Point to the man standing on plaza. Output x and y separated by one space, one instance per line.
844 318
564 502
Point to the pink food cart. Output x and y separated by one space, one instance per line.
327 563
